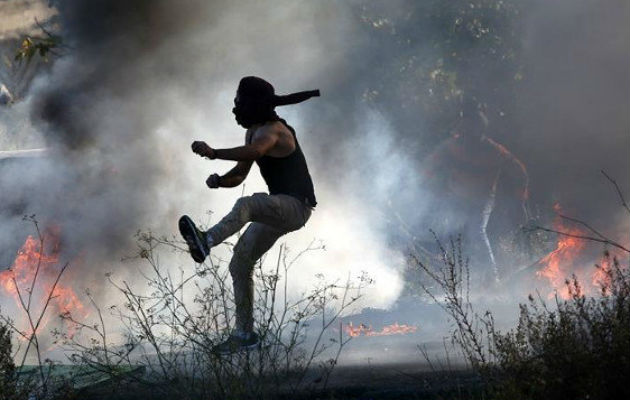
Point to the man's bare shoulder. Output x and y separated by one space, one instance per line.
271 128
280 134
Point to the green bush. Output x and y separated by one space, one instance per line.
7 367
9 389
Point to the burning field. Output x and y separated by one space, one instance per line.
42 293
393 329
572 259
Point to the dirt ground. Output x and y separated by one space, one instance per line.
396 381
405 381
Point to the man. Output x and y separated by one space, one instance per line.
273 145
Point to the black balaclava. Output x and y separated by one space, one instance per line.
256 99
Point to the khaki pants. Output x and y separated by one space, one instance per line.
272 216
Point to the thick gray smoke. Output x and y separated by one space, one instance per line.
141 80
574 114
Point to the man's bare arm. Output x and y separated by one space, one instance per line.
236 175
264 140
261 144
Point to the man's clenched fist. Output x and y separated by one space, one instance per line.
213 181
203 149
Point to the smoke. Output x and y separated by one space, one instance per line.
138 85
18 17
142 80
573 114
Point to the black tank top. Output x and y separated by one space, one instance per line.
288 175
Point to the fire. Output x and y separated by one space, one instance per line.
22 271
567 259
365 330
31 279
557 264
601 276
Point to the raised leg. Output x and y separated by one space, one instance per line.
279 211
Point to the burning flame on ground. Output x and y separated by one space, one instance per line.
558 263
365 330
33 274
601 276
564 262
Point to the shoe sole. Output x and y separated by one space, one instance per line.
187 229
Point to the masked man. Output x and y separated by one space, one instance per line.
272 144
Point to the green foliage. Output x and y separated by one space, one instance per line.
33 45
43 45
8 376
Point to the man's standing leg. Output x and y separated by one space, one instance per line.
256 241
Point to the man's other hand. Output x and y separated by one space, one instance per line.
203 149
213 181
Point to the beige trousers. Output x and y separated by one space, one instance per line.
271 216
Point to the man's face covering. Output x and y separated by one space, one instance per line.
249 111
256 99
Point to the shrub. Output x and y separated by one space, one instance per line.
170 331
8 376
578 349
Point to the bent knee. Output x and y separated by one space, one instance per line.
243 207
242 202
241 266
241 258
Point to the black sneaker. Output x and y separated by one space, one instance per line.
196 239
236 343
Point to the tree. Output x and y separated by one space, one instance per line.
8 375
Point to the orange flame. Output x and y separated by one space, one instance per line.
559 261
601 276
23 269
564 262
365 330
36 267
